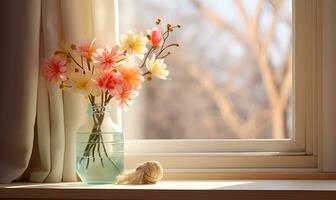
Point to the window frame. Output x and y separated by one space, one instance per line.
297 154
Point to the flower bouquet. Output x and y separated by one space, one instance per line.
102 74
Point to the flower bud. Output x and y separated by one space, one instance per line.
156 38
73 47
169 27
149 78
62 86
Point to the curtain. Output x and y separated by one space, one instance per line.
38 122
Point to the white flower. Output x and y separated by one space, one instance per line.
83 83
134 44
157 67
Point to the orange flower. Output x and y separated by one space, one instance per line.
131 76
125 96
87 49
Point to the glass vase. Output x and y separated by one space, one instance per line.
99 147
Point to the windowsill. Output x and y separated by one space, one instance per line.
237 189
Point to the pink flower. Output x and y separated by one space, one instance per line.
107 58
109 81
131 76
87 49
125 96
54 69
156 37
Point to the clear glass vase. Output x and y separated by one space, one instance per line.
99 147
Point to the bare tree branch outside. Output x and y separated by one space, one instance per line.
231 77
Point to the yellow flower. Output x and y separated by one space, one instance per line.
134 44
157 67
83 83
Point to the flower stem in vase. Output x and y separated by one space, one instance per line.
96 140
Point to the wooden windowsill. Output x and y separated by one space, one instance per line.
219 176
193 190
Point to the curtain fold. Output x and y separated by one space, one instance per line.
50 119
18 84
40 127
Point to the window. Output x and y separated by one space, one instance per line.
236 73
245 87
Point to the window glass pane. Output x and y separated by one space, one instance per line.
231 77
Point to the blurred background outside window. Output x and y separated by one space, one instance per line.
231 77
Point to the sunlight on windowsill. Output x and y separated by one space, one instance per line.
176 185
319 185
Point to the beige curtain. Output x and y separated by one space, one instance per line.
38 123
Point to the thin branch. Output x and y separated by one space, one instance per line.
242 12
144 61
166 47
75 61
286 85
259 11
262 53
218 21
228 114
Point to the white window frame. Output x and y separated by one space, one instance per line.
297 154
